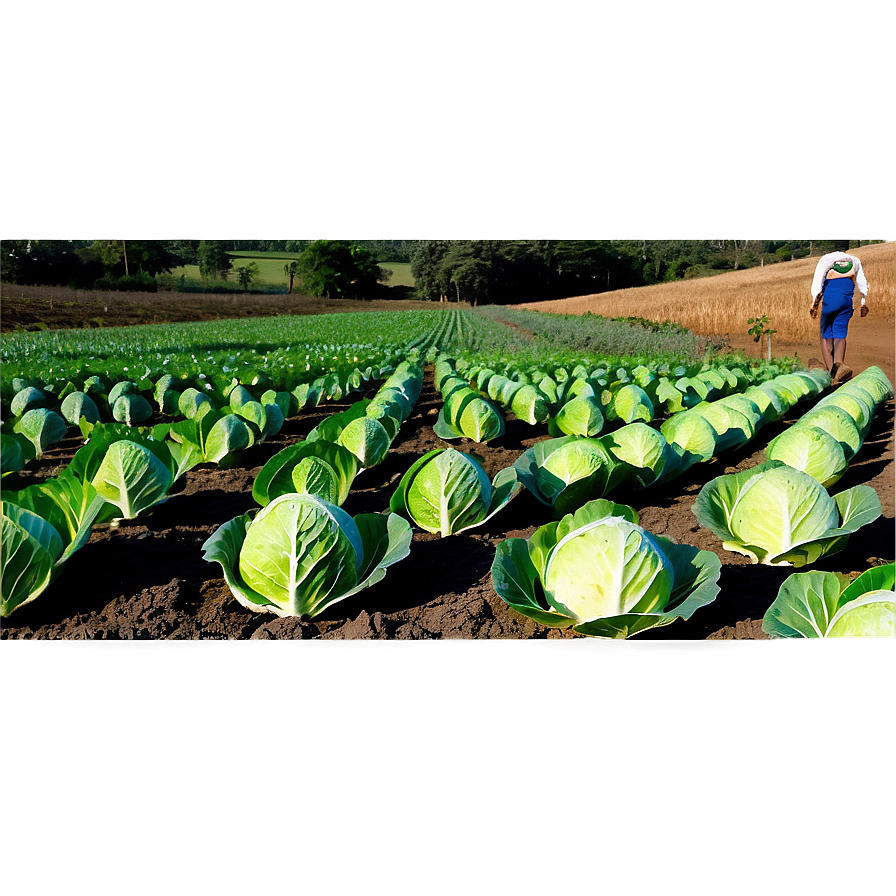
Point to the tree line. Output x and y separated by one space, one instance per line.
475 271
499 271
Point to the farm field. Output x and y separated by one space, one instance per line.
57 307
147 573
721 305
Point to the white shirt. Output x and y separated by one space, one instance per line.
826 262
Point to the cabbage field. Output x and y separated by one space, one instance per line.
444 473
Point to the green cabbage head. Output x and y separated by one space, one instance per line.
567 472
823 605
780 516
599 572
448 492
301 554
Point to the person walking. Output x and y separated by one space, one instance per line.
837 275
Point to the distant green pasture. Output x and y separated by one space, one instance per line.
401 273
270 270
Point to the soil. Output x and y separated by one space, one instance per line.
58 308
146 578
871 341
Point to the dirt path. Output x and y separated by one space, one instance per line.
870 342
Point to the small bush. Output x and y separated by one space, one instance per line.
139 282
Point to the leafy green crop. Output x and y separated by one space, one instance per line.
602 574
300 554
824 605
780 516
43 525
448 492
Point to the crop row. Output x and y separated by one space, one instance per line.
638 422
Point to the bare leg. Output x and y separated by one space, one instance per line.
827 346
839 350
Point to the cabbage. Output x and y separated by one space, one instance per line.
76 405
42 427
31 549
368 439
819 605
631 403
600 573
811 450
567 472
580 416
194 404
530 404
641 450
27 399
780 516
324 469
300 554
43 525
466 414
449 492
131 408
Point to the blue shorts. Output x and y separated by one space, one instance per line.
836 307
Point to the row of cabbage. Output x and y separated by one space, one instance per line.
123 471
227 414
577 401
597 571
286 351
779 512
52 380
566 472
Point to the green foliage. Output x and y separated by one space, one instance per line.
49 262
335 268
759 327
595 335
246 273
139 282
823 605
214 261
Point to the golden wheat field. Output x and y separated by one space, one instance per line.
721 305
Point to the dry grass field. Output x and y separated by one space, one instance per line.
722 304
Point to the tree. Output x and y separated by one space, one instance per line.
431 278
214 262
291 269
367 272
246 273
124 258
735 254
335 268
475 269
50 262
186 251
